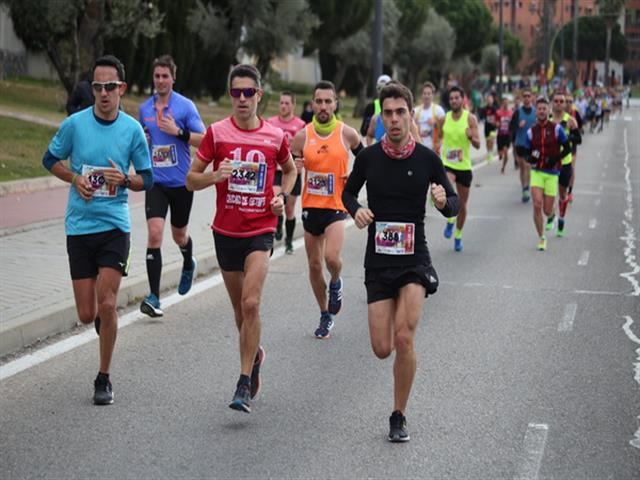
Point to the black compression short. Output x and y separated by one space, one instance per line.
316 220
565 175
231 252
297 187
463 177
160 198
89 253
385 283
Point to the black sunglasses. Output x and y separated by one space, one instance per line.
108 86
247 92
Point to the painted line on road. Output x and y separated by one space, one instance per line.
584 258
592 223
635 442
566 325
532 451
629 250
494 286
628 119
597 202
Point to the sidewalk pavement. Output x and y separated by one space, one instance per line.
36 296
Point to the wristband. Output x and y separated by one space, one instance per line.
73 179
184 135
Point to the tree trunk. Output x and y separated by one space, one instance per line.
607 54
58 64
339 76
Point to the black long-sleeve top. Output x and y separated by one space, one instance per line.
397 192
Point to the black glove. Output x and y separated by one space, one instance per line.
551 161
533 156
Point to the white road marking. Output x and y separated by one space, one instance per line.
635 442
629 237
628 119
600 188
597 202
566 325
584 259
592 223
533 449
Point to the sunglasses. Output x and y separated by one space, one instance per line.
108 86
558 101
247 92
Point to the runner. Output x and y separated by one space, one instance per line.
570 128
574 111
171 123
398 271
523 118
488 114
290 125
459 132
428 116
546 146
374 128
101 143
503 119
322 148
244 150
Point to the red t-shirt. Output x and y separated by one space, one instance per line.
289 128
503 118
243 201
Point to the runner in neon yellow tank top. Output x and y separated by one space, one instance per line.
570 127
459 131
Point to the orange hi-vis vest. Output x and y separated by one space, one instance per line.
326 164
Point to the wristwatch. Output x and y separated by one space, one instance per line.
285 197
127 181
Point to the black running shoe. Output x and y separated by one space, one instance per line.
398 427
256 381
241 399
103 393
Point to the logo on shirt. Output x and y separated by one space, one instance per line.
323 149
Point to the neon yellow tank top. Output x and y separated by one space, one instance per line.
455 143
569 158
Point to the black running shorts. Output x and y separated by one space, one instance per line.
463 177
521 151
385 283
565 175
89 253
504 141
232 252
158 200
316 220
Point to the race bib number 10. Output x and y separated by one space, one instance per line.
98 182
394 238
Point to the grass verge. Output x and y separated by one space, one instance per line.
23 145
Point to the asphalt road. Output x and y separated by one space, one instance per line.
528 362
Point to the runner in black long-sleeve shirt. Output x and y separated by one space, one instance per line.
398 270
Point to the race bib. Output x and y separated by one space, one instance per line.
247 177
454 155
320 183
491 118
394 238
164 156
504 125
98 182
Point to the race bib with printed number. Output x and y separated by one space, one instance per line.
394 238
164 156
98 182
454 155
247 177
320 183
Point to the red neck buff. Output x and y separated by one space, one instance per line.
398 153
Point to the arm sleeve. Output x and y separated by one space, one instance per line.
49 160
439 176
513 124
147 178
206 150
354 184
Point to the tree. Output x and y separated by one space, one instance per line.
472 22
490 61
610 11
513 47
73 33
429 52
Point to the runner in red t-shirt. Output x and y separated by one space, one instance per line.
503 121
290 125
244 151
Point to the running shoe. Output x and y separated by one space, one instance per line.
398 427
560 231
103 391
256 382
335 297
326 324
448 230
542 244
151 306
288 249
457 244
525 195
241 399
549 225
186 279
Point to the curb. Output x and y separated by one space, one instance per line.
30 185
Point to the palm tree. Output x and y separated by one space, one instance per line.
610 11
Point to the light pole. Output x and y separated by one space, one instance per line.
500 52
574 56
